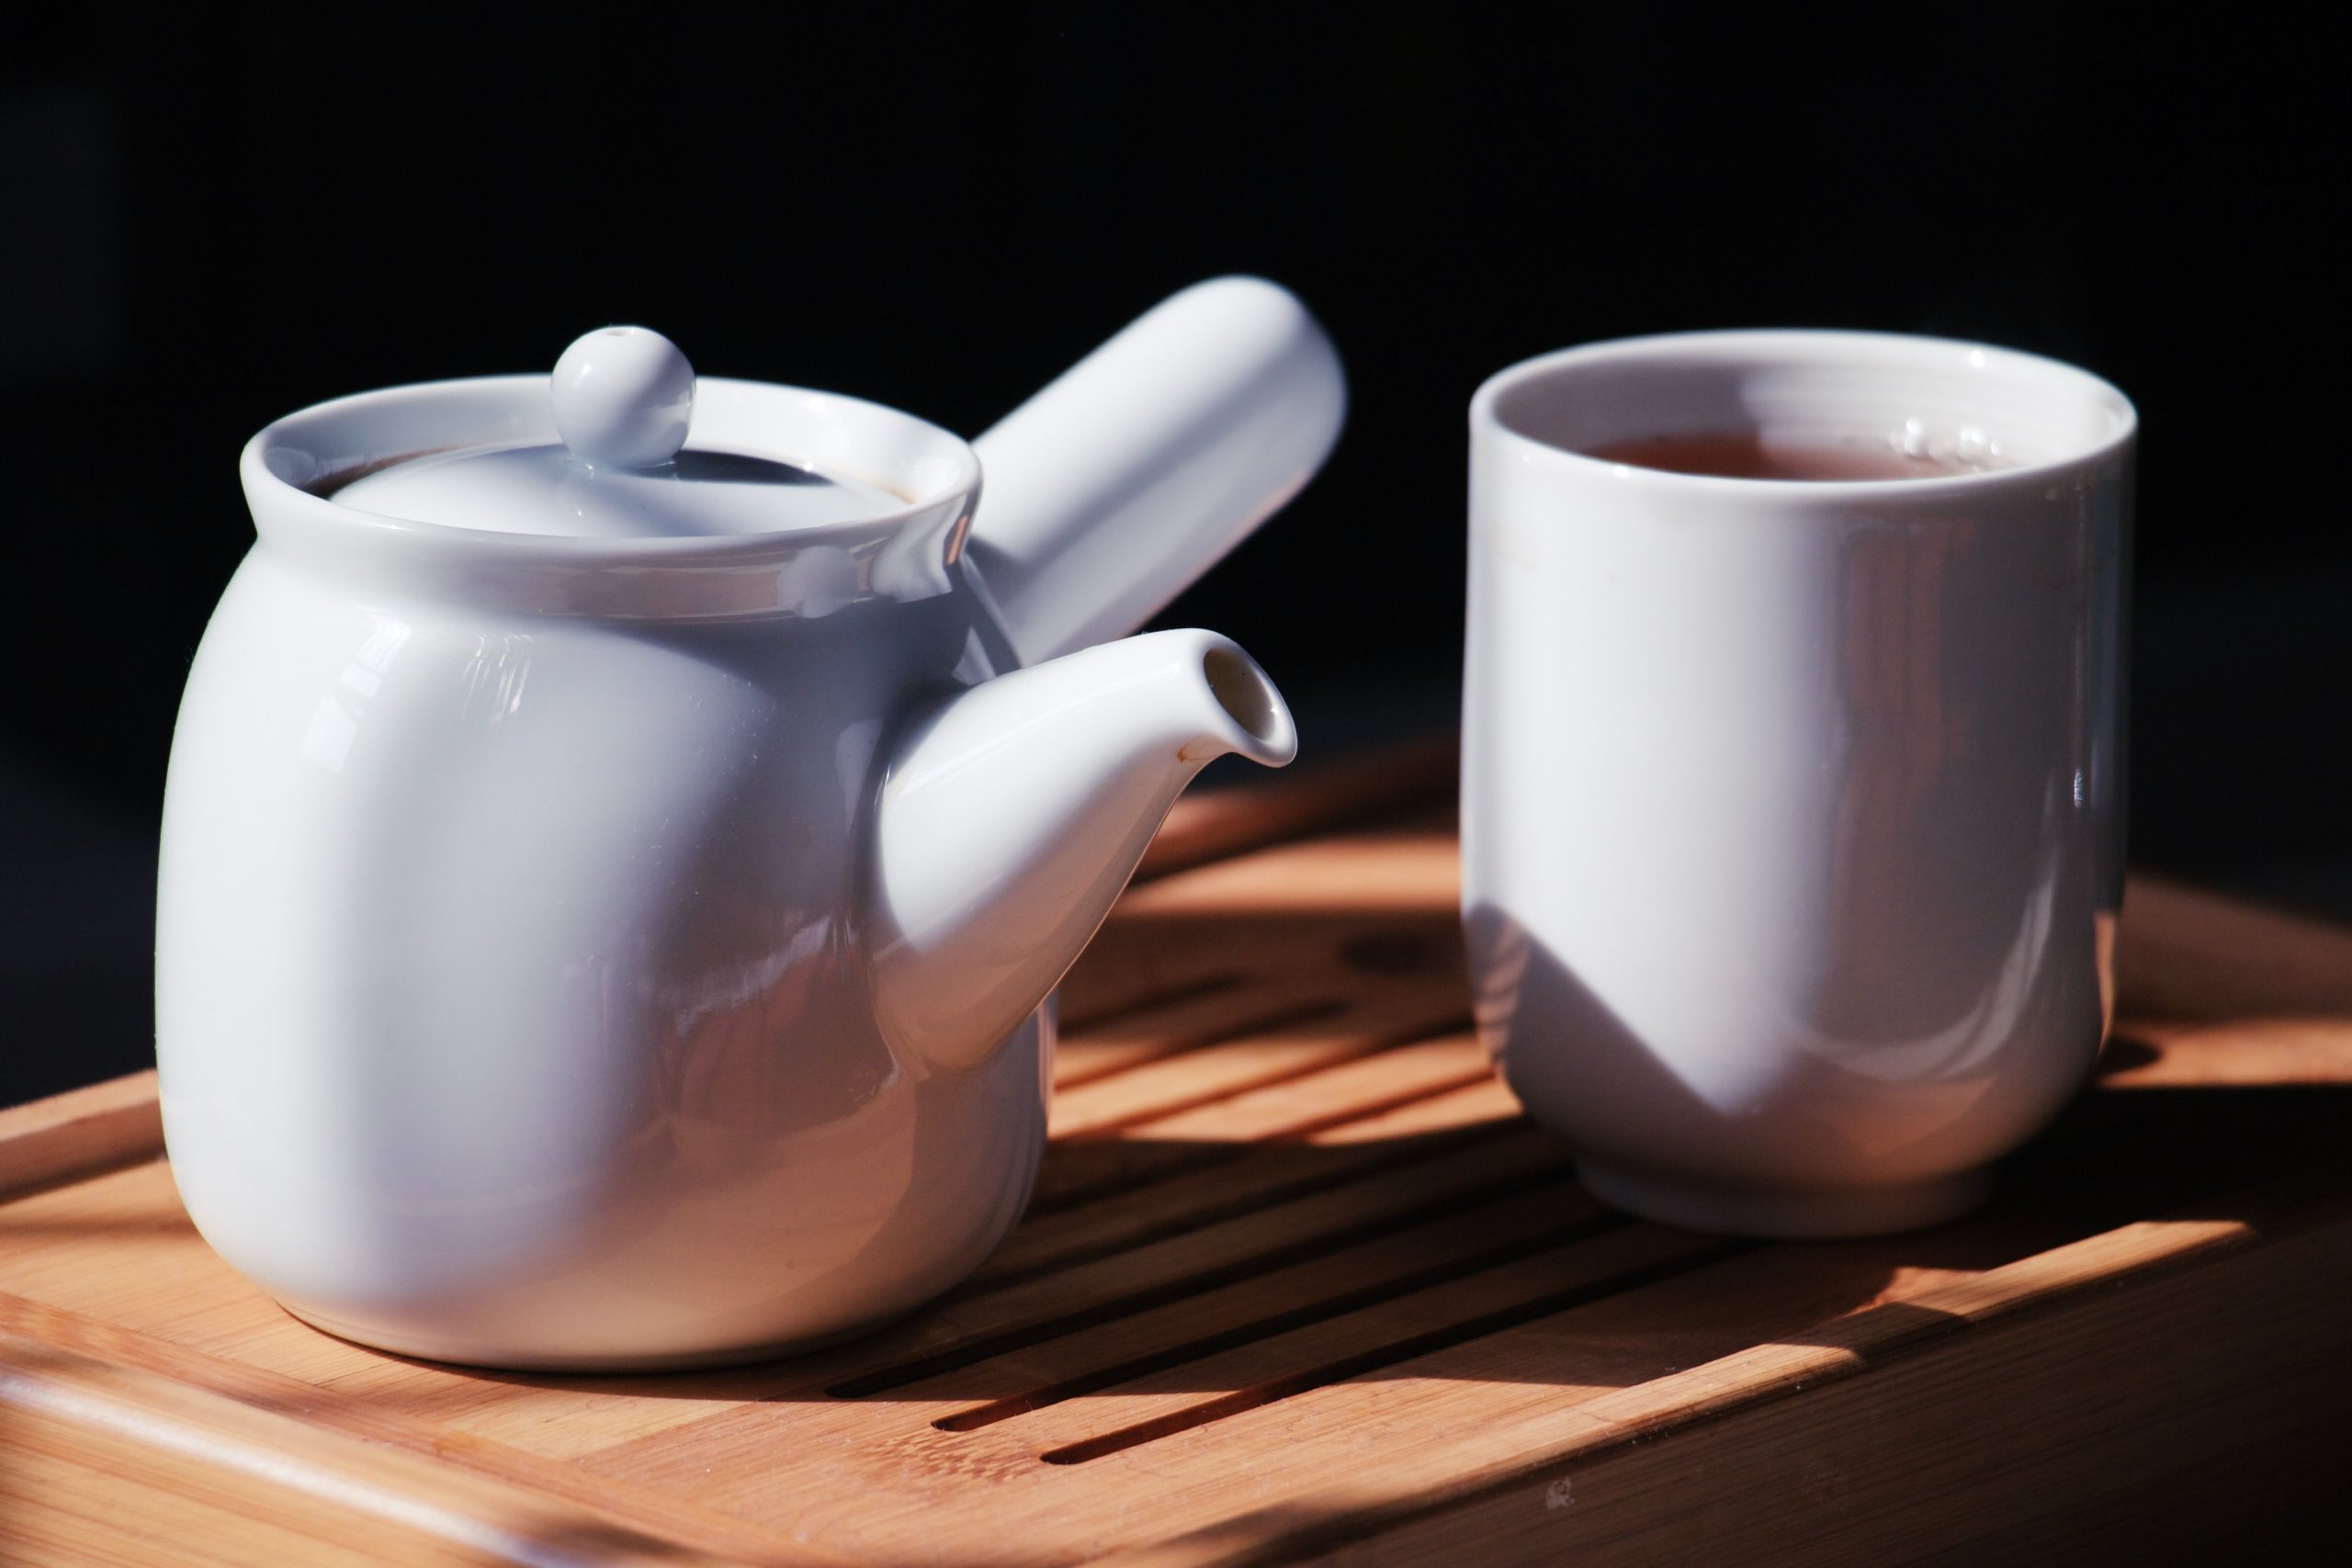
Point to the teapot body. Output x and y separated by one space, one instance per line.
612 886
512 976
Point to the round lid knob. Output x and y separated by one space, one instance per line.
623 398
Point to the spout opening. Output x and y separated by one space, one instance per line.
1249 700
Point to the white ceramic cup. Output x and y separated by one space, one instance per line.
1792 812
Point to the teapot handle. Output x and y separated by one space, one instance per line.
1105 495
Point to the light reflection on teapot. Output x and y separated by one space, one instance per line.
611 893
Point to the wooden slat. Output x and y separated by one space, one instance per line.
1136 1035
1635 1337
1262 1306
1248 1242
1356 1026
86 1129
2083 1189
1354 877
1799 1315
1219 825
1327 1156
1356 1079
2055 1385
1259 1307
1390 1333
1241 1488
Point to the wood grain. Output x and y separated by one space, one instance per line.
1299 1283
1887 1441
144 1424
1212 825
84 1129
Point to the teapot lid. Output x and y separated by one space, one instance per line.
623 403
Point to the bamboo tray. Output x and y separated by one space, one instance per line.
1297 1283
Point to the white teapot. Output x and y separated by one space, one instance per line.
623 831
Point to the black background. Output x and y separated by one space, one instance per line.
209 220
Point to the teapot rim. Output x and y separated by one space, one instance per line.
273 459
292 465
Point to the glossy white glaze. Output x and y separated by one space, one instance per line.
1792 813
623 396
990 869
622 399
1145 462
521 916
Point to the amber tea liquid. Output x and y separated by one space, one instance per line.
1747 455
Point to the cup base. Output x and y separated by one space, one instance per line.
1816 1215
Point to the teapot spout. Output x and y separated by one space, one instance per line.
1012 816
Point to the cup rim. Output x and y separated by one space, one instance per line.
1801 345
